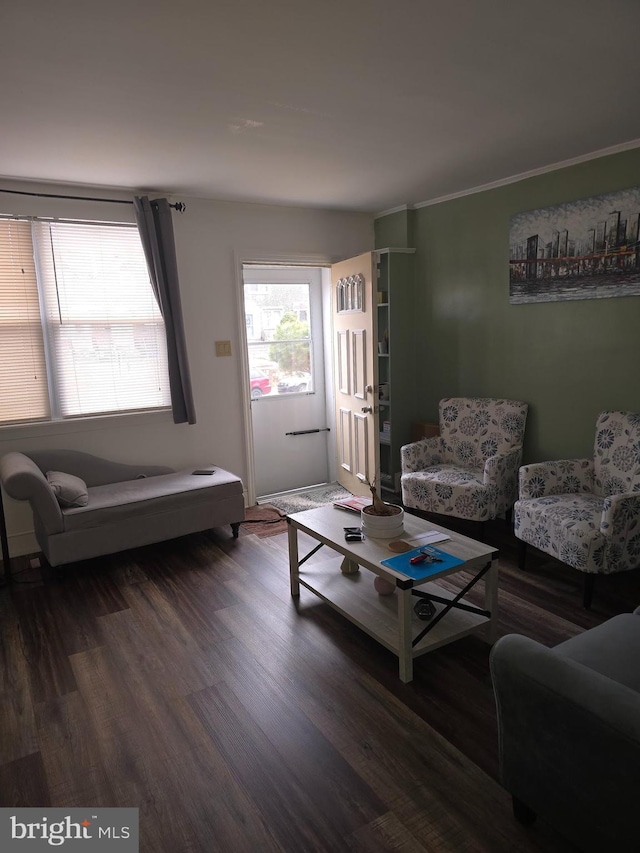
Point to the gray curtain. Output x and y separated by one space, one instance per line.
156 232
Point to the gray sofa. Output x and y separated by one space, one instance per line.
569 732
124 505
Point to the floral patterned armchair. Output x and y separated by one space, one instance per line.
471 469
586 512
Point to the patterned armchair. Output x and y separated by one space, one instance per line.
471 469
586 512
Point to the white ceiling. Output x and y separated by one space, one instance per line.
357 104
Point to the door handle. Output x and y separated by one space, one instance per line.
367 409
368 389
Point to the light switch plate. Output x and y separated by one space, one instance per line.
223 348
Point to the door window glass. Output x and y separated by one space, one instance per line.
279 339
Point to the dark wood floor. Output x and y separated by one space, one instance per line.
182 679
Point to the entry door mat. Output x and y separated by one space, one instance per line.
263 521
311 499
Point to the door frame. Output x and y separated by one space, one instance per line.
288 259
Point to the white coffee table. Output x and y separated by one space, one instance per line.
390 619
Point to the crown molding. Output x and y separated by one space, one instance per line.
390 249
543 170
513 179
391 210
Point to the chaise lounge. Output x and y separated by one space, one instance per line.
84 506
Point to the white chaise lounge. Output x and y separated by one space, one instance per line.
100 507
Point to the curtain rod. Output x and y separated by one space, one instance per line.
179 206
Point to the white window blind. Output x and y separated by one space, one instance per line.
80 329
24 394
103 323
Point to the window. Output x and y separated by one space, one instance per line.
84 334
280 343
350 294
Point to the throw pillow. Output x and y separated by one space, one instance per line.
68 489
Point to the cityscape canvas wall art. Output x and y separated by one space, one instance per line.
587 249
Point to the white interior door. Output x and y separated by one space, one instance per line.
355 378
283 315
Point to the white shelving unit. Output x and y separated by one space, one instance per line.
395 307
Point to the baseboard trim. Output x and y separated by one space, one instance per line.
23 543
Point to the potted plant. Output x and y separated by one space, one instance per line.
381 520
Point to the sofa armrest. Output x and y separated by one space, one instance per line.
569 739
421 454
501 476
24 481
561 477
501 466
621 524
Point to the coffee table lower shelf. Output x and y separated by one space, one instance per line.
355 598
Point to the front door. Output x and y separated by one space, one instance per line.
283 316
355 377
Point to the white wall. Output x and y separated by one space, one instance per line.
211 237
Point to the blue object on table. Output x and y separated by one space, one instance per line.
418 571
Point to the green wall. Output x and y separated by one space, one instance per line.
569 360
395 231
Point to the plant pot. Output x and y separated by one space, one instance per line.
382 526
